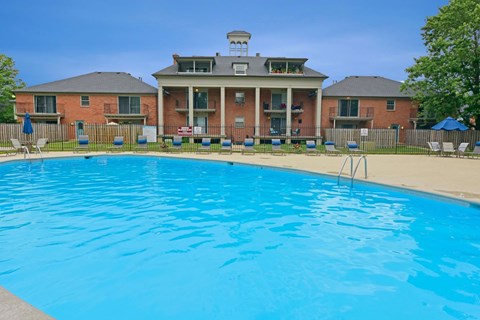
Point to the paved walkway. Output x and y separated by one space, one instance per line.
449 176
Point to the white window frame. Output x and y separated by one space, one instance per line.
85 102
389 105
240 97
240 69
239 122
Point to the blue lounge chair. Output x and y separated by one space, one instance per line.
117 144
330 148
248 146
83 144
177 143
277 147
353 147
226 146
205 146
142 145
311 148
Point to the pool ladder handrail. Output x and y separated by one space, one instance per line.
352 172
26 153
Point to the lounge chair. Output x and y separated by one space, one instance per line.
448 149
248 146
476 150
226 146
205 146
177 143
277 147
10 150
19 147
462 149
434 147
353 147
330 148
83 144
311 148
41 143
117 144
142 145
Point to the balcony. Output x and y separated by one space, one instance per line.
196 110
111 112
57 112
282 109
365 114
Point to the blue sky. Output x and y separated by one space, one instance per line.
53 39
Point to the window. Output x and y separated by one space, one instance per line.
200 99
239 122
390 105
239 97
45 104
129 105
240 69
85 101
286 67
195 66
348 108
279 99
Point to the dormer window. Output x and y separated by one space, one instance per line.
240 69
191 65
288 66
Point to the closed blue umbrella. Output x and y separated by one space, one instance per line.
450 124
27 125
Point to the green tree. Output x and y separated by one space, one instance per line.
447 80
8 83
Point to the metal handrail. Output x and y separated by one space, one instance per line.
364 157
352 172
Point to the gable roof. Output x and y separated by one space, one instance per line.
366 86
95 82
256 67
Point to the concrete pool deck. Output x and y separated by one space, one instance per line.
457 178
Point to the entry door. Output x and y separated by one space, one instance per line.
279 125
202 122
79 127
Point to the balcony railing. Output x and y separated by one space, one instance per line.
282 108
363 114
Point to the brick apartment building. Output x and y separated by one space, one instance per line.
264 96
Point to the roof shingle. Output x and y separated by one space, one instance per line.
96 82
366 86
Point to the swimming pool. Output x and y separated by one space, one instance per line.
154 238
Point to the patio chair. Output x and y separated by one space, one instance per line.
41 143
353 147
296 132
448 149
10 150
83 144
117 144
273 132
462 149
277 147
434 147
142 145
205 146
330 148
311 148
476 150
226 147
248 146
177 143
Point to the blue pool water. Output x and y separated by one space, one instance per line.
155 238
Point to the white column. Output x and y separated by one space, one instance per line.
190 106
160 111
318 115
222 111
289 114
257 111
